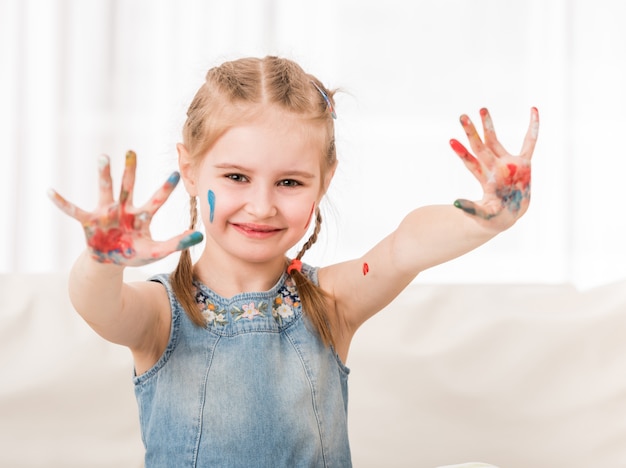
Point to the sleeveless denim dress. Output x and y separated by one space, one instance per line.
255 388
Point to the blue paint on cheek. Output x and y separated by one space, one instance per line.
211 197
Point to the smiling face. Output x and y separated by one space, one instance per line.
258 185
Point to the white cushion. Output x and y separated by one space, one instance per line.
518 376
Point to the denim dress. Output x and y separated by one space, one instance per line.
255 387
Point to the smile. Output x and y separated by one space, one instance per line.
256 231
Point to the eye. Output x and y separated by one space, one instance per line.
236 177
289 183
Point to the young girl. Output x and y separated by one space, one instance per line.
239 359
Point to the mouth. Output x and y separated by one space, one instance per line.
256 231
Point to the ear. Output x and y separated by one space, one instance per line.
187 169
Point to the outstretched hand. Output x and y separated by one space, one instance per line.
118 232
505 178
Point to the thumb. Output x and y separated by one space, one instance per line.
187 240
473 209
183 241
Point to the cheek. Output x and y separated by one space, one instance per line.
300 214
211 204
217 204
310 217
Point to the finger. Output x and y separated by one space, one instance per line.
472 135
530 140
491 141
470 161
161 195
105 181
128 179
473 209
68 208
180 242
189 240
477 145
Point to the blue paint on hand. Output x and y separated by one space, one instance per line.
190 240
173 178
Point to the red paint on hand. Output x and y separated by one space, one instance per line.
467 158
366 269
517 176
113 240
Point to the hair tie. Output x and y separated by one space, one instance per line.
326 99
294 265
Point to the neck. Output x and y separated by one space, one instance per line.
228 276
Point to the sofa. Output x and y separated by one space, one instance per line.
517 376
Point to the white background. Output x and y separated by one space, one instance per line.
83 77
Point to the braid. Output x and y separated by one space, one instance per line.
193 212
313 298
183 277
313 239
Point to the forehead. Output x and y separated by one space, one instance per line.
271 138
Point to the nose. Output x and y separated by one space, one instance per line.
261 203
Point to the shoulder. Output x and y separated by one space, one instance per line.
311 272
150 295
361 287
156 298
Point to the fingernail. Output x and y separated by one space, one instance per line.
131 158
462 206
52 194
103 161
468 207
190 240
173 178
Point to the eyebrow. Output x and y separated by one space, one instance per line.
294 173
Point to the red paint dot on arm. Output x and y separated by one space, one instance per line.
366 269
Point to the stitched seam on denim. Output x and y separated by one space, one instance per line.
209 362
308 373
345 370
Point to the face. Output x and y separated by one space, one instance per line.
258 186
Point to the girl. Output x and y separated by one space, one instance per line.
239 359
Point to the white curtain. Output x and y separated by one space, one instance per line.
83 77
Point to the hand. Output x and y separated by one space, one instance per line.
119 233
505 178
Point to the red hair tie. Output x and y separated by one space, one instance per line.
294 265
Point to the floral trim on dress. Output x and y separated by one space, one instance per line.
212 313
283 307
249 311
285 302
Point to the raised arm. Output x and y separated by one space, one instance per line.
432 235
435 234
118 235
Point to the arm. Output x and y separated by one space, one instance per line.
118 235
432 235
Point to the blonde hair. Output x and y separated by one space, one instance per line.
232 93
